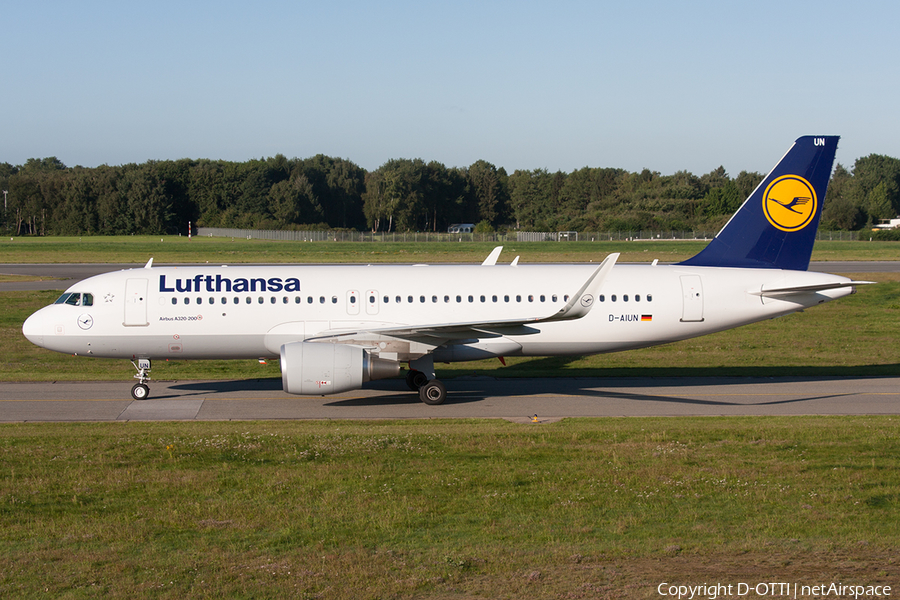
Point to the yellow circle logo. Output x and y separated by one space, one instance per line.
790 203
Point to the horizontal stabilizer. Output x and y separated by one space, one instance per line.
807 289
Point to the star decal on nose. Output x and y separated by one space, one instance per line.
108 298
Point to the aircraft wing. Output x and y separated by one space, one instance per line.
578 306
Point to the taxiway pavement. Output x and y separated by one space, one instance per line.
468 397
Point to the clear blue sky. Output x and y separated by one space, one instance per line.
559 85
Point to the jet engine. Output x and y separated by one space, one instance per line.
323 368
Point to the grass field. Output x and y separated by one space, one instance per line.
584 508
138 249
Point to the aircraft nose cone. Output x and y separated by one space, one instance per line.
33 328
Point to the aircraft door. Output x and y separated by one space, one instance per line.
353 302
136 303
692 293
372 302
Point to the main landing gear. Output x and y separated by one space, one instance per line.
141 391
421 378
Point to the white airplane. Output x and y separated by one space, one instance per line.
337 327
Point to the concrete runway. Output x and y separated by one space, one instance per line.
482 397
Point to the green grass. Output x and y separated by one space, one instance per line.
138 249
446 509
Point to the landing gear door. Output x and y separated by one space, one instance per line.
136 303
692 292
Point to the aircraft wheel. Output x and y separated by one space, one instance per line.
415 380
140 391
433 392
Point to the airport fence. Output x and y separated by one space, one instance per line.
512 236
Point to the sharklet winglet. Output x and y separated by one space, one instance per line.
491 260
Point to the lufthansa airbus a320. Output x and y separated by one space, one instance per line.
336 327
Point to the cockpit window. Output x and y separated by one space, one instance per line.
76 299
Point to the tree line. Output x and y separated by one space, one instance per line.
45 197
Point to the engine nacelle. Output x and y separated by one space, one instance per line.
323 368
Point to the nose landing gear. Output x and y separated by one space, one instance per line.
141 391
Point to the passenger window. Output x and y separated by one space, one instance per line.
494 298
471 298
422 299
174 300
434 298
518 298
352 299
506 298
398 299
387 299
637 297
321 299
625 298
613 297
446 298
482 298
334 300
260 300
199 300
237 300
284 300
649 298
543 298
530 298
553 297
224 300
249 300
371 299
410 299
309 300
601 298
459 298
296 299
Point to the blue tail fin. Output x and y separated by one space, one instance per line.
776 226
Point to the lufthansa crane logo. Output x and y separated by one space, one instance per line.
790 203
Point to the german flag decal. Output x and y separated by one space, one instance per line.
646 318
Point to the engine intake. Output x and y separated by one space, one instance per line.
323 368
